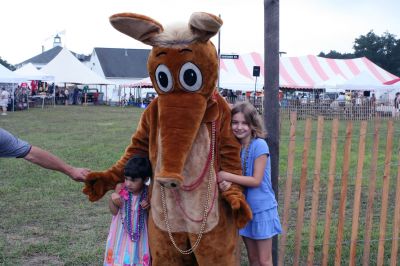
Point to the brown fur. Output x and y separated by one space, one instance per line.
175 131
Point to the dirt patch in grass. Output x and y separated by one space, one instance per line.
42 260
15 239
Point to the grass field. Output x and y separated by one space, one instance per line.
46 220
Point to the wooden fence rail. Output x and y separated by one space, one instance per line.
348 212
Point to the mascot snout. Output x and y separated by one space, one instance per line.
180 116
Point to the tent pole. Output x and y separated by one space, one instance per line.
54 95
106 94
12 96
255 92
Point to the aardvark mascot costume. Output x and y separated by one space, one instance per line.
186 133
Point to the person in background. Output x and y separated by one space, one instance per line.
96 97
4 95
127 241
33 87
66 93
373 99
397 102
13 147
257 235
372 104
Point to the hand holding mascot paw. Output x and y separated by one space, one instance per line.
241 210
98 183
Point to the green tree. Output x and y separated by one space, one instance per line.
337 55
6 64
379 49
383 50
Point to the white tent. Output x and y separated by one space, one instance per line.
7 76
143 82
363 81
67 69
228 80
299 72
332 83
30 72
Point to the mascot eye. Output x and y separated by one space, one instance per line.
164 78
190 77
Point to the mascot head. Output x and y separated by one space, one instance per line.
183 67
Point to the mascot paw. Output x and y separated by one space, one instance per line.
241 210
98 183
243 215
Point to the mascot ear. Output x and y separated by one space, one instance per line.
139 27
204 25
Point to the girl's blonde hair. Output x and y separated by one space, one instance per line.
252 118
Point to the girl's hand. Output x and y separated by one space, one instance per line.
116 199
222 176
145 204
224 185
118 187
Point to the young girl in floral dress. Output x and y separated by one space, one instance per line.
127 242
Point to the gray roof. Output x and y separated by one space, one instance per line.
49 55
44 57
123 63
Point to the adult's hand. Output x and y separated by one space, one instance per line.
79 174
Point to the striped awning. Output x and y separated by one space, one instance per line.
299 72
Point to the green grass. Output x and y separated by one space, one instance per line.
46 220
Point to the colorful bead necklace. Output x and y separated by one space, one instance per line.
129 218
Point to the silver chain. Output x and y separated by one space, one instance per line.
207 202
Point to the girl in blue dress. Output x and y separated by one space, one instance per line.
248 128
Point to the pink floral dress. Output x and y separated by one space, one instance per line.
127 241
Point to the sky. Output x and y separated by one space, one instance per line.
306 26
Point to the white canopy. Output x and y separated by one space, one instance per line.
143 82
234 81
30 72
363 81
308 72
7 76
332 82
67 69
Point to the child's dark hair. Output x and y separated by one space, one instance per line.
138 167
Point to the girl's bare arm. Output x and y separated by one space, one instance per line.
248 181
114 203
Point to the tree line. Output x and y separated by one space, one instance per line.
6 64
383 50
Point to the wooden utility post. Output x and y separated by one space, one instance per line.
271 90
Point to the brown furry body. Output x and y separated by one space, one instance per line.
176 132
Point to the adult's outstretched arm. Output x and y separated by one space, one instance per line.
50 161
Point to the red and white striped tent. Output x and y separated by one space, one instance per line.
308 72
